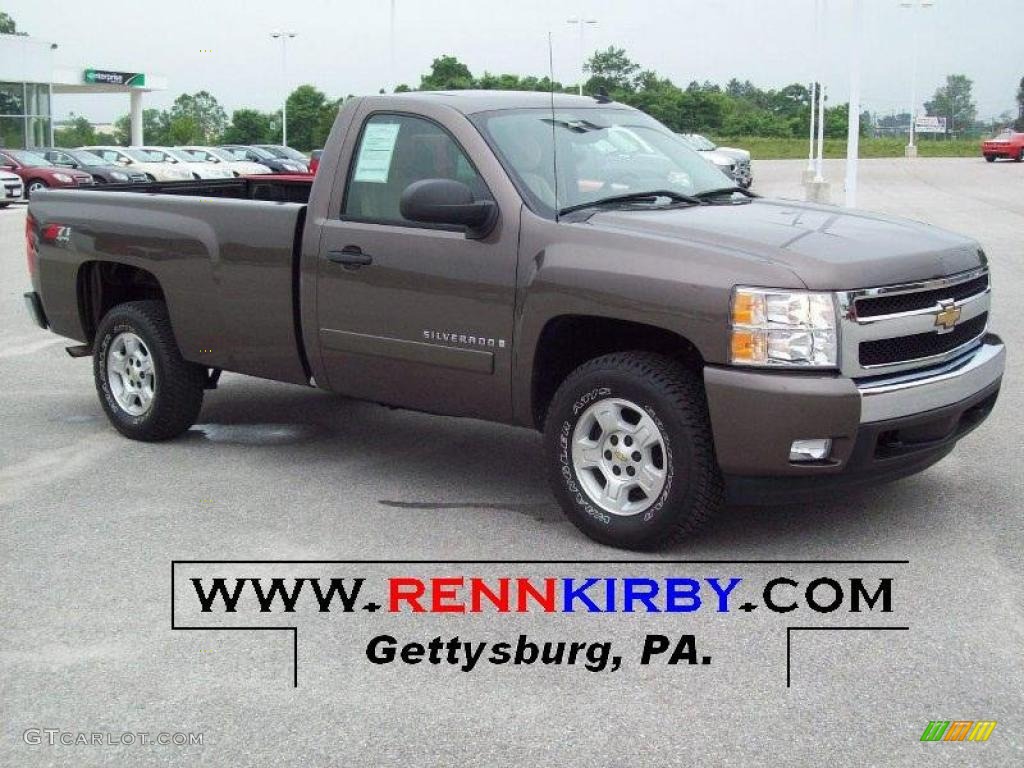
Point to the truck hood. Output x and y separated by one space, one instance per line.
827 248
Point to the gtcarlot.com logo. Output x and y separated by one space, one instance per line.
958 730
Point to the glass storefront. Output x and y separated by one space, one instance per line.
24 115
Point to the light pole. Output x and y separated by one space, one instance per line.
582 21
809 173
911 149
391 45
853 113
284 37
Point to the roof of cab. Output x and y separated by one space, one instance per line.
471 102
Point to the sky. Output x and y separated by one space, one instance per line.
342 46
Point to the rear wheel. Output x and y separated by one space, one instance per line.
34 186
990 158
630 452
148 391
3 205
1020 155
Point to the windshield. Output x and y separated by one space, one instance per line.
1006 133
85 158
146 155
181 156
261 153
601 153
699 143
28 158
223 154
285 153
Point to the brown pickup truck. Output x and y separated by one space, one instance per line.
562 264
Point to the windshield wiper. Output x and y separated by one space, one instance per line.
723 190
632 197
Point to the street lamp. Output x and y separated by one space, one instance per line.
582 22
911 150
284 37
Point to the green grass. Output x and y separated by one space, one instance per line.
762 148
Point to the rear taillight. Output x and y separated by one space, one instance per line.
31 252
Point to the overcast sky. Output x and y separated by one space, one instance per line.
343 45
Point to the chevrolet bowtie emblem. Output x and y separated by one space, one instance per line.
948 316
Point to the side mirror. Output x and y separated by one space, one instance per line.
67 164
445 201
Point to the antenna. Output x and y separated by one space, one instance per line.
554 140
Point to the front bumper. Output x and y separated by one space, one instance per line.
881 429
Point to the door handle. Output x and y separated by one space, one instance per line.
350 257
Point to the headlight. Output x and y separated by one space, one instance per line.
63 178
783 328
119 176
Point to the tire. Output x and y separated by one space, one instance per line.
34 186
1020 156
990 158
175 386
659 391
3 205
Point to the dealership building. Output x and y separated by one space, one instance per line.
32 72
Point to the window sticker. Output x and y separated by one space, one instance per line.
375 152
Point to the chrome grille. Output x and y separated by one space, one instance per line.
896 328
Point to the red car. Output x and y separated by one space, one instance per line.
314 160
39 173
1008 144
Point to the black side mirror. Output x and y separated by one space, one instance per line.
445 201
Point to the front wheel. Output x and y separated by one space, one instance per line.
630 452
990 158
148 391
1020 156
36 185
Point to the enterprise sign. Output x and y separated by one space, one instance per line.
107 77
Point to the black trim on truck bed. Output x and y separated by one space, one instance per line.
272 188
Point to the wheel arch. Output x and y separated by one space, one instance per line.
568 341
101 285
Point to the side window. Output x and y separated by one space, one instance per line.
394 151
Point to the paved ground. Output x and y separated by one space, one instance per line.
90 523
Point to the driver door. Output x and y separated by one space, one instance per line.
412 314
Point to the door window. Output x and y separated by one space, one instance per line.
394 151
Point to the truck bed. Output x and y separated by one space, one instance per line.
224 252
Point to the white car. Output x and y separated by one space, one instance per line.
224 159
11 188
198 170
153 164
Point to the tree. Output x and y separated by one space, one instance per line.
155 124
250 126
954 102
1019 123
304 106
76 133
197 118
611 70
447 73
8 26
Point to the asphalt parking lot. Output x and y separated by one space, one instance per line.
91 522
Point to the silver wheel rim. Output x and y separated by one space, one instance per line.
619 456
35 187
130 373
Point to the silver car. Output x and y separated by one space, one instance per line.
735 162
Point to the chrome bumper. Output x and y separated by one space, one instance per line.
920 391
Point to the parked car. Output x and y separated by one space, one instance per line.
199 170
285 153
153 164
36 172
1007 144
225 159
678 340
101 171
11 188
265 158
314 160
734 162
